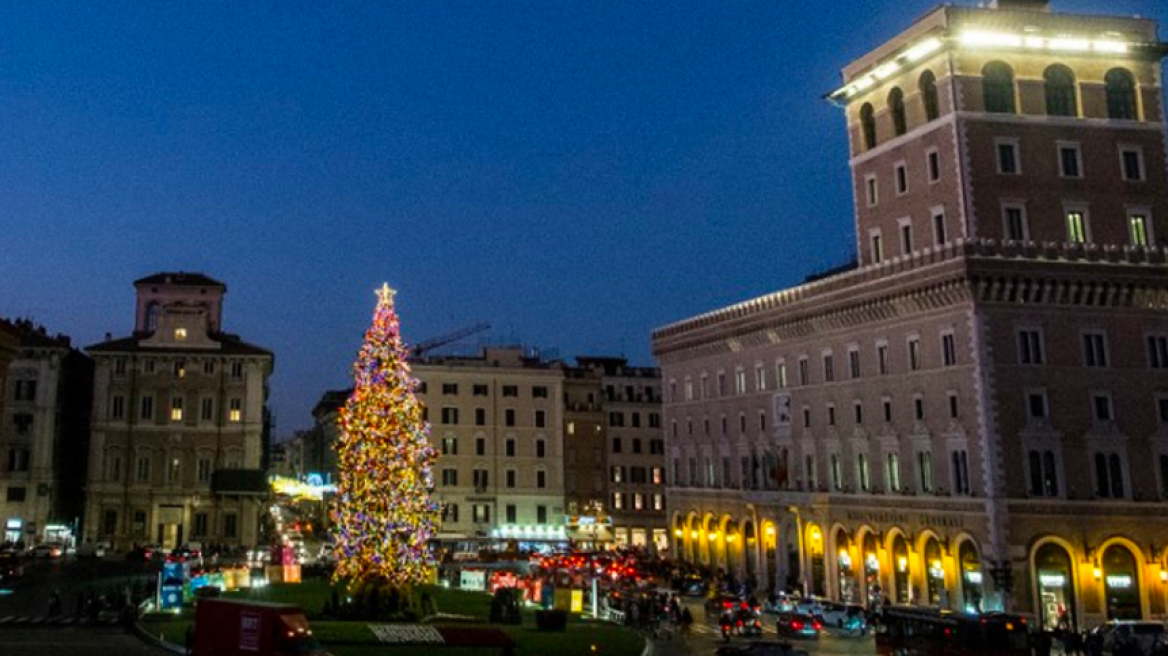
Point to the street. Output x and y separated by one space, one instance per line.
705 637
24 607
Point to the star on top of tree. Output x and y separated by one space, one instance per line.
386 294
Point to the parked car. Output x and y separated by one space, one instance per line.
47 550
93 549
11 566
761 649
693 586
798 625
845 616
1122 637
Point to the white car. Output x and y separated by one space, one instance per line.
47 550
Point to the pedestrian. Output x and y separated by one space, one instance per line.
55 603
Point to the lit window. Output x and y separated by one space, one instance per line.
176 409
235 411
1138 224
1070 161
180 334
1076 227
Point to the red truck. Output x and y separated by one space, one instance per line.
225 627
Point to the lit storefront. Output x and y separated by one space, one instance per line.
972 589
934 573
872 587
1056 587
900 575
1121 584
847 577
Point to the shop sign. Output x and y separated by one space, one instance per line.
1052 580
1121 582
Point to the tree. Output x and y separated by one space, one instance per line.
382 514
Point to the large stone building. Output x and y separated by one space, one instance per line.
44 436
178 423
976 416
9 343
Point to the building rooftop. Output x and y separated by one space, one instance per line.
228 345
182 278
33 335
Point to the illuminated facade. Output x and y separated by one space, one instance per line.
977 415
178 423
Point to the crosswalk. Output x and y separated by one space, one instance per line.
25 621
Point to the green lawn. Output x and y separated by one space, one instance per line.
338 637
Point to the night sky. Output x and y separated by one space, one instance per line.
576 174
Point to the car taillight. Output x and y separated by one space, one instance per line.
796 624
818 626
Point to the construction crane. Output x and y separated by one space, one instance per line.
421 348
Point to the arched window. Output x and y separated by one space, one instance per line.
868 125
896 106
1060 91
998 88
1121 94
929 95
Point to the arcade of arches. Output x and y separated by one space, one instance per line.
1060 583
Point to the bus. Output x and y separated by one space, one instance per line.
932 632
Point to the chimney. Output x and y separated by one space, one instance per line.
1022 5
109 337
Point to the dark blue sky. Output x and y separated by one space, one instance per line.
574 173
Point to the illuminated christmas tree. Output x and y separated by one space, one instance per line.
382 514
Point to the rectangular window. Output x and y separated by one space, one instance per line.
858 412
1076 227
231 525
739 382
1132 160
934 159
1094 349
509 447
510 478
143 469
810 474
180 369
200 527
892 472
482 479
830 415
1036 406
541 515
914 353
450 389
919 408
208 367
25 390
176 408
450 416
539 392
18 459
854 363
237 371
510 390
109 522
1014 220
1158 351
760 382
925 470
509 417
235 410
173 470
480 390
204 470
803 371
901 179
480 417
961 472
1070 161
482 513
207 409
450 477
1030 349
480 446
828 368
882 358
939 235
1138 229
887 403
1104 412
906 238
1008 161
147 407
837 474
948 350
540 419
862 480
450 446
118 407
541 479
872 189
953 409
876 247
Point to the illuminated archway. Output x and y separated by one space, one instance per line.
934 571
901 574
1120 566
970 575
844 566
814 542
1054 584
869 566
